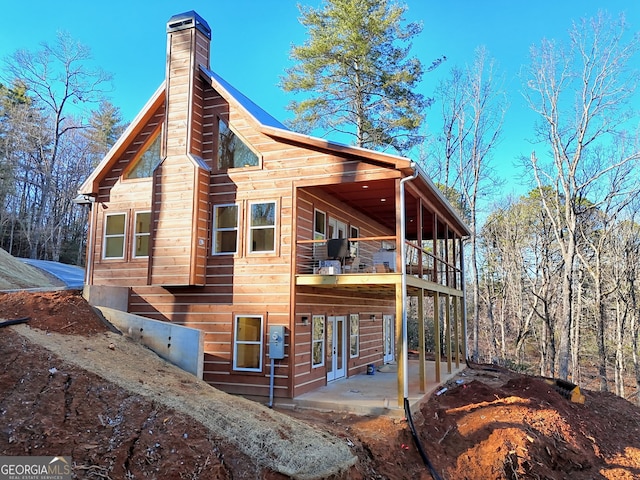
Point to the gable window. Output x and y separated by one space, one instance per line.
114 229
262 227
317 341
148 160
354 335
247 347
142 235
232 151
225 228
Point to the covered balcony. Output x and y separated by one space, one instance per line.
421 258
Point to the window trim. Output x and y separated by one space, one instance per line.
320 340
352 317
237 342
354 232
249 229
214 230
105 236
136 234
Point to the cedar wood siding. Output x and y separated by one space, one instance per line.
116 195
261 284
180 187
328 302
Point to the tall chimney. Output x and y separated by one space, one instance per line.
188 47
181 181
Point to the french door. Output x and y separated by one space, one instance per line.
336 348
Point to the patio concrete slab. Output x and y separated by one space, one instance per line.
375 394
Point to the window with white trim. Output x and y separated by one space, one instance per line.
142 234
247 344
354 232
225 228
317 341
354 335
262 227
319 233
114 235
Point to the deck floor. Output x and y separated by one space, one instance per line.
375 394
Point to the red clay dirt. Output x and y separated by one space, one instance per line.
494 424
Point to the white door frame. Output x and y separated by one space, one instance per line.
336 347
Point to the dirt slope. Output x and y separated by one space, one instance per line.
120 412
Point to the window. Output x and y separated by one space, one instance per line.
114 229
233 152
142 235
148 160
319 233
262 227
247 348
317 341
225 228
319 225
354 232
354 335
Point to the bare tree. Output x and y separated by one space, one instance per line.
59 83
473 107
580 92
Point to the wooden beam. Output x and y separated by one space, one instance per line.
421 342
436 333
447 332
399 345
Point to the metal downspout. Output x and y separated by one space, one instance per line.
403 263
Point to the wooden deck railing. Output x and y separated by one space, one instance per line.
376 255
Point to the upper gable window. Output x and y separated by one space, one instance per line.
232 151
148 160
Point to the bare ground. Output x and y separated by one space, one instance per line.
68 387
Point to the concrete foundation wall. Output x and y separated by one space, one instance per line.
107 296
182 346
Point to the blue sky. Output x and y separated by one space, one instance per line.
252 38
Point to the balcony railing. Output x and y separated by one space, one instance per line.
367 255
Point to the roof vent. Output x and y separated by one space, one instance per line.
186 20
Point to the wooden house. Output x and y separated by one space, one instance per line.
212 214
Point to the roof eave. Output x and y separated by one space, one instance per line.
91 184
401 163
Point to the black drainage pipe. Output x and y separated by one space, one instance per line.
416 439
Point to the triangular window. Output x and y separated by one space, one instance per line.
147 161
232 152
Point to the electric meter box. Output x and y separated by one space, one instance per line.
276 342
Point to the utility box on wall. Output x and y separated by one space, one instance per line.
276 342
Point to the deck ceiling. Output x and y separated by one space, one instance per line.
376 199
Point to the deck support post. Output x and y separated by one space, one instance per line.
400 344
436 333
447 331
421 341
